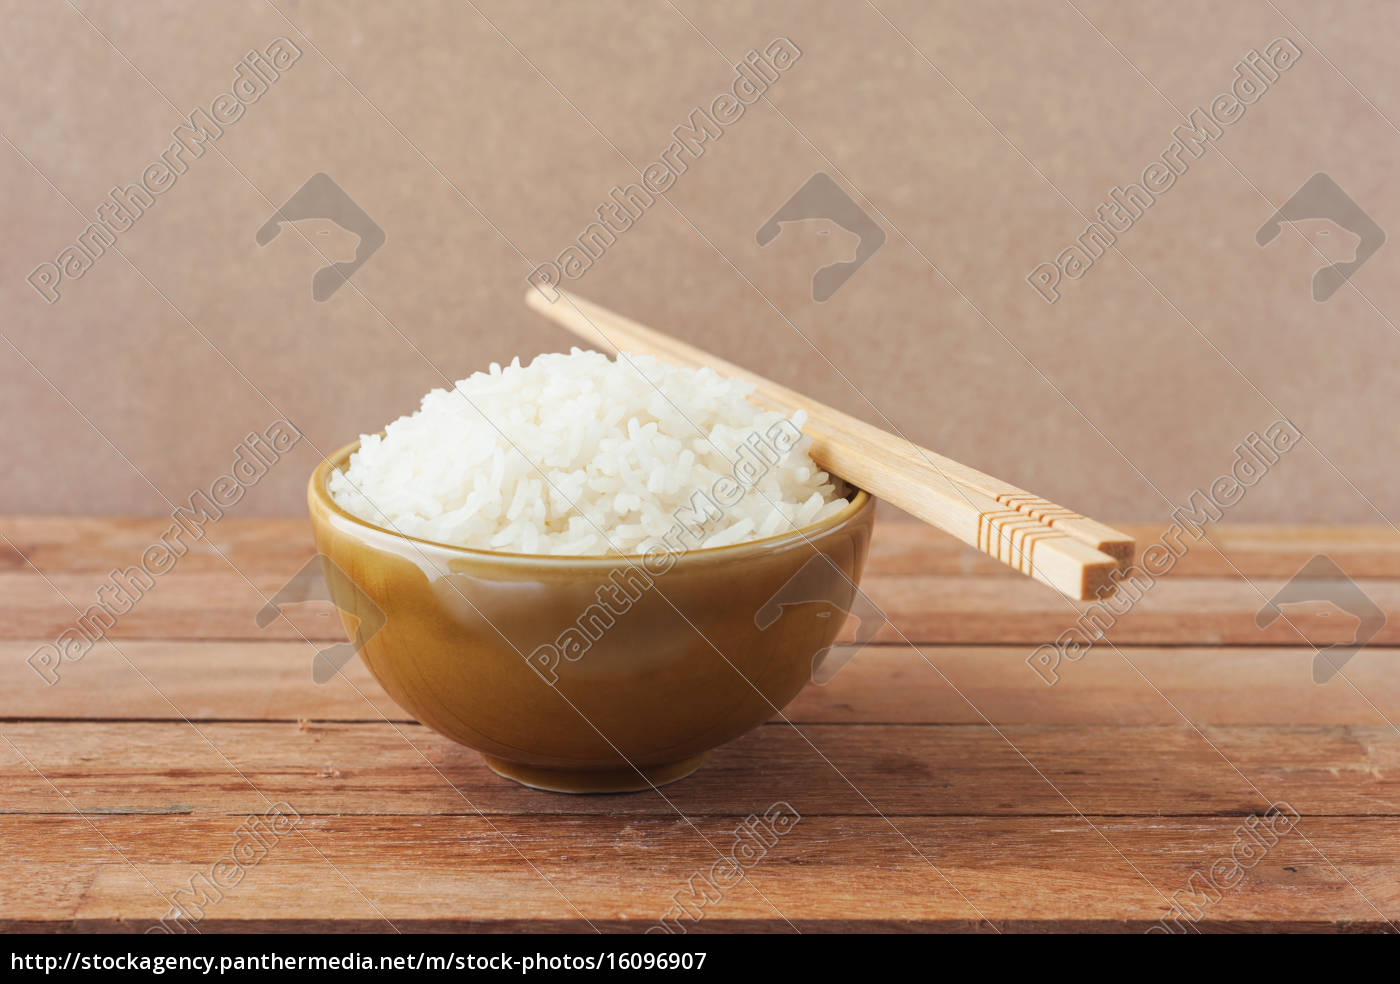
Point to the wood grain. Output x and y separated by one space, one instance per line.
1225 550
1084 806
941 609
1011 770
622 873
888 683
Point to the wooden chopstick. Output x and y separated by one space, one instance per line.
1063 549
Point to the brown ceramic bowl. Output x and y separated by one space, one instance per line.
513 654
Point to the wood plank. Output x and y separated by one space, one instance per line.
143 679
1137 686
902 546
926 609
898 770
395 807
97 545
1181 611
885 683
101 544
623 873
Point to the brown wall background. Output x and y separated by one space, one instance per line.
476 132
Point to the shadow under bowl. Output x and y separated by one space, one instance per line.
590 674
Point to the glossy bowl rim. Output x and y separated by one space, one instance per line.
317 490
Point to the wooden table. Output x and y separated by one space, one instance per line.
941 785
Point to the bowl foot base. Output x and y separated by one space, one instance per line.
624 780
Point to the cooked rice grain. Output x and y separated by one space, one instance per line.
582 455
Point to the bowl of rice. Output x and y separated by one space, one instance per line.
591 571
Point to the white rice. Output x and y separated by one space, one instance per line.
577 454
